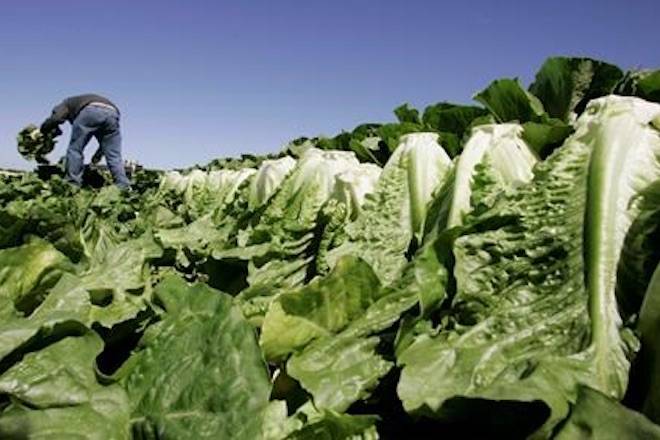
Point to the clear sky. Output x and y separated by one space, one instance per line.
201 79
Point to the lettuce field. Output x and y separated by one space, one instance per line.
469 271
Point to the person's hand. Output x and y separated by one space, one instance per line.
52 132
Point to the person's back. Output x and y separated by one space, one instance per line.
90 115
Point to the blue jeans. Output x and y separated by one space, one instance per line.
103 124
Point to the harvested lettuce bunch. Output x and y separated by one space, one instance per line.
34 145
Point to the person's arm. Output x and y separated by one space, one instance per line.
59 115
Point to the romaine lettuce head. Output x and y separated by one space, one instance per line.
201 192
495 159
352 186
267 180
395 213
535 311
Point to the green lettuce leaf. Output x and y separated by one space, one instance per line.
323 307
596 416
391 134
64 312
330 425
508 101
405 113
648 363
341 368
198 372
345 374
40 381
27 273
640 254
648 86
545 137
55 394
119 280
310 423
104 417
369 149
451 118
642 83
565 85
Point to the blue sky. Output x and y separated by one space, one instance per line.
202 79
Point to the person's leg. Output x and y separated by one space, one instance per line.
82 129
110 142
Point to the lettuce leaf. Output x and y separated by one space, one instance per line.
198 372
648 365
597 416
565 85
